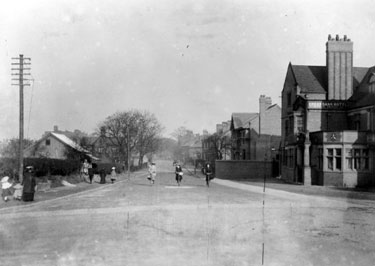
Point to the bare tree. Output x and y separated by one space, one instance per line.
134 130
216 143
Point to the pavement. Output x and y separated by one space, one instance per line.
279 184
259 185
64 191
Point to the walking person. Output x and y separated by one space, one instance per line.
90 173
102 174
209 173
179 174
152 172
29 184
113 175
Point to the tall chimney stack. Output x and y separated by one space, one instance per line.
339 56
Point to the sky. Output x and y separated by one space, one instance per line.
192 63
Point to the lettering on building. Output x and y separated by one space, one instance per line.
327 105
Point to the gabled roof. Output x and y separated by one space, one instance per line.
313 79
273 106
362 95
241 120
65 140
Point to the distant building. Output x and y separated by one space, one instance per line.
192 148
57 146
328 120
256 136
217 146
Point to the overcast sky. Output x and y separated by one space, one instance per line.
191 63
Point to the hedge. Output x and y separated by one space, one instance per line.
42 166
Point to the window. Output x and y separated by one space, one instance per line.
357 159
338 159
48 142
334 157
330 159
299 123
289 99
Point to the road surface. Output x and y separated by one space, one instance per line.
134 223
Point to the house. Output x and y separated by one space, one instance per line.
328 120
57 146
256 136
192 148
105 149
225 141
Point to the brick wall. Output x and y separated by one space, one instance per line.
243 169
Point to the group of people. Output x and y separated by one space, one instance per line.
207 170
88 170
179 173
21 191
25 190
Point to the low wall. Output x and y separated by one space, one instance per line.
238 169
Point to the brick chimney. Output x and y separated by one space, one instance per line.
264 103
55 129
339 56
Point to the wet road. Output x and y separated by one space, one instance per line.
134 223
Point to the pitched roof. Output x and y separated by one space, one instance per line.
69 142
362 95
65 140
313 79
241 120
310 78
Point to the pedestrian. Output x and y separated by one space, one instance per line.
6 188
113 175
90 173
85 167
209 173
179 174
152 172
29 184
102 174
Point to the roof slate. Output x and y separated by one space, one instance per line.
313 79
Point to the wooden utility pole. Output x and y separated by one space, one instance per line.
20 62
128 139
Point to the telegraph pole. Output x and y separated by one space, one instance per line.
20 69
128 139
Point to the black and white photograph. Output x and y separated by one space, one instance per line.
187 132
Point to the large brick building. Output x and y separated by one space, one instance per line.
328 120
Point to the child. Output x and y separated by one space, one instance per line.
113 174
152 172
6 188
